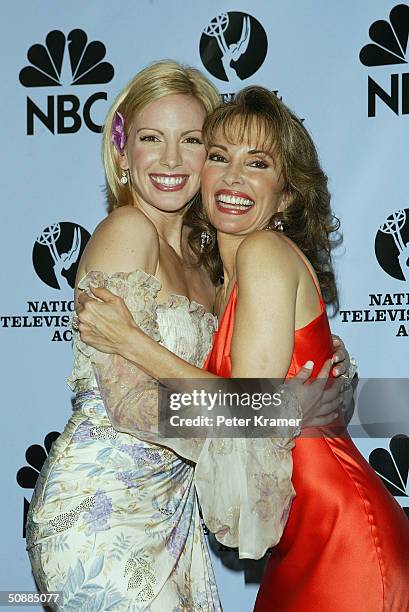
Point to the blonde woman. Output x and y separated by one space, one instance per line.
114 521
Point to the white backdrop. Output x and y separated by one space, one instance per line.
52 178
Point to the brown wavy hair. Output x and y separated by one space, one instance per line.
257 115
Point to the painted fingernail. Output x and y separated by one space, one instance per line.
309 365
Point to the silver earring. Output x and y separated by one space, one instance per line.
124 177
278 225
205 238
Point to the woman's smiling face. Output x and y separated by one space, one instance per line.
242 185
165 152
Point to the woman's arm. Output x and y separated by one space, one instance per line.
263 339
108 326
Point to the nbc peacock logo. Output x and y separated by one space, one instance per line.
28 474
392 466
388 48
60 62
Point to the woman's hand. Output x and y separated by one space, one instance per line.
340 357
319 401
105 323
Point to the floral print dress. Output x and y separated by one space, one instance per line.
114 521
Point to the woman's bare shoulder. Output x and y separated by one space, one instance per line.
267 250
126 240
127 219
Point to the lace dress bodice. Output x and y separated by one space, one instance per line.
181 325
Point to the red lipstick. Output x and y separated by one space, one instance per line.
232 202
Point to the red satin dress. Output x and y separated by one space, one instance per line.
345 547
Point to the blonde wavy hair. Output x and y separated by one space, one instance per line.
156 81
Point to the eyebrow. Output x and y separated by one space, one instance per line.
250 152
258 151
218 146
162 133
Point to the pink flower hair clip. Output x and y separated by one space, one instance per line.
118 132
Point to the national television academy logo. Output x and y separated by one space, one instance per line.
233 46
392 245
57 252
56 255
388 47
61 61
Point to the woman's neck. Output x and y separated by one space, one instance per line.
169 225
228 247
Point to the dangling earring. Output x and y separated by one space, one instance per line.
124 177
205 238
278 225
